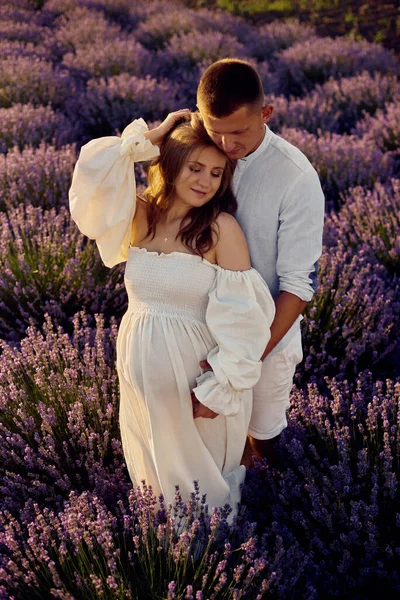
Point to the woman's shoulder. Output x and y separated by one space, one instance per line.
231 249
141 206
228 226
141 201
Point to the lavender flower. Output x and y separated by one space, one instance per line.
337 105
82 28
383 127
277 35
350 322
9 12
224 22
21 31
39 176
195 46
28 79
15 49
25 125
110 57
156 33
49 267
337 492
303 65
342 161
369 219
59 417
113 548
109 104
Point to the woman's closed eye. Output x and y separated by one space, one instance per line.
218 175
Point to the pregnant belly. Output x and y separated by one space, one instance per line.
161 353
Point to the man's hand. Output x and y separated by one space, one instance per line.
288 308
199 410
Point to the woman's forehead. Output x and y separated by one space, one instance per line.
207 156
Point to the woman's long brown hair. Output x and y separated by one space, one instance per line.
198 226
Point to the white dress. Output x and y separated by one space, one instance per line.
182 309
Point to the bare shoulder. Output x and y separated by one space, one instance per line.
227 223
141 203
141 207
231 249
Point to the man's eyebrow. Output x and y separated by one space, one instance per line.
230 132
196 162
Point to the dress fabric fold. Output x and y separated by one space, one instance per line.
181 310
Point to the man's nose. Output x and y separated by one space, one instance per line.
227 143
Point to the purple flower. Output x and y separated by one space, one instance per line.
342 161
276 36
369 219
31 79
109 57
22 31
337 105
49 267
110 104
39 176
156 33
314 61
351 320
383 127
25 125
59 417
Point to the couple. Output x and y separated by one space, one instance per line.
193 294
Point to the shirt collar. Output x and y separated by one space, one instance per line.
245 161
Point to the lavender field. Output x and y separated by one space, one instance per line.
326 524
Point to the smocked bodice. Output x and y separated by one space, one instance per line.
170 284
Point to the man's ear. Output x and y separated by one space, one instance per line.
266 112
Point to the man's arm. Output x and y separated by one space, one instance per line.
288 308
299 247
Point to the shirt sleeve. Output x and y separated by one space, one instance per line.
239 315
301 222
102 197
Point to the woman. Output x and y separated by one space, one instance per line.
192 296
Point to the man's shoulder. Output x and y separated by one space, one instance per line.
289 155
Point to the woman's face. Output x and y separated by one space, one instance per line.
200 177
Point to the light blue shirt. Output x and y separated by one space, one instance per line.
281 211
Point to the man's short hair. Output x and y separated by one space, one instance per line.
228 85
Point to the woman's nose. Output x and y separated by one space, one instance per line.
204 178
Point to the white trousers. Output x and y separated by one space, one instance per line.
271 394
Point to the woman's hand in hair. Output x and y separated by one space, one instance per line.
157 134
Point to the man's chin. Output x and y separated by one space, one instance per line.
236 155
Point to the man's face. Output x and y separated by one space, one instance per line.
240 133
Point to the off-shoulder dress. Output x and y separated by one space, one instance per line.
182 309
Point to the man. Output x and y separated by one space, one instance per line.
281 211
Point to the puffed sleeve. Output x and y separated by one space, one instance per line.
239 314
102 197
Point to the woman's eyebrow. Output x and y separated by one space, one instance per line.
196 162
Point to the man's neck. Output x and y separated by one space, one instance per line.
259 143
